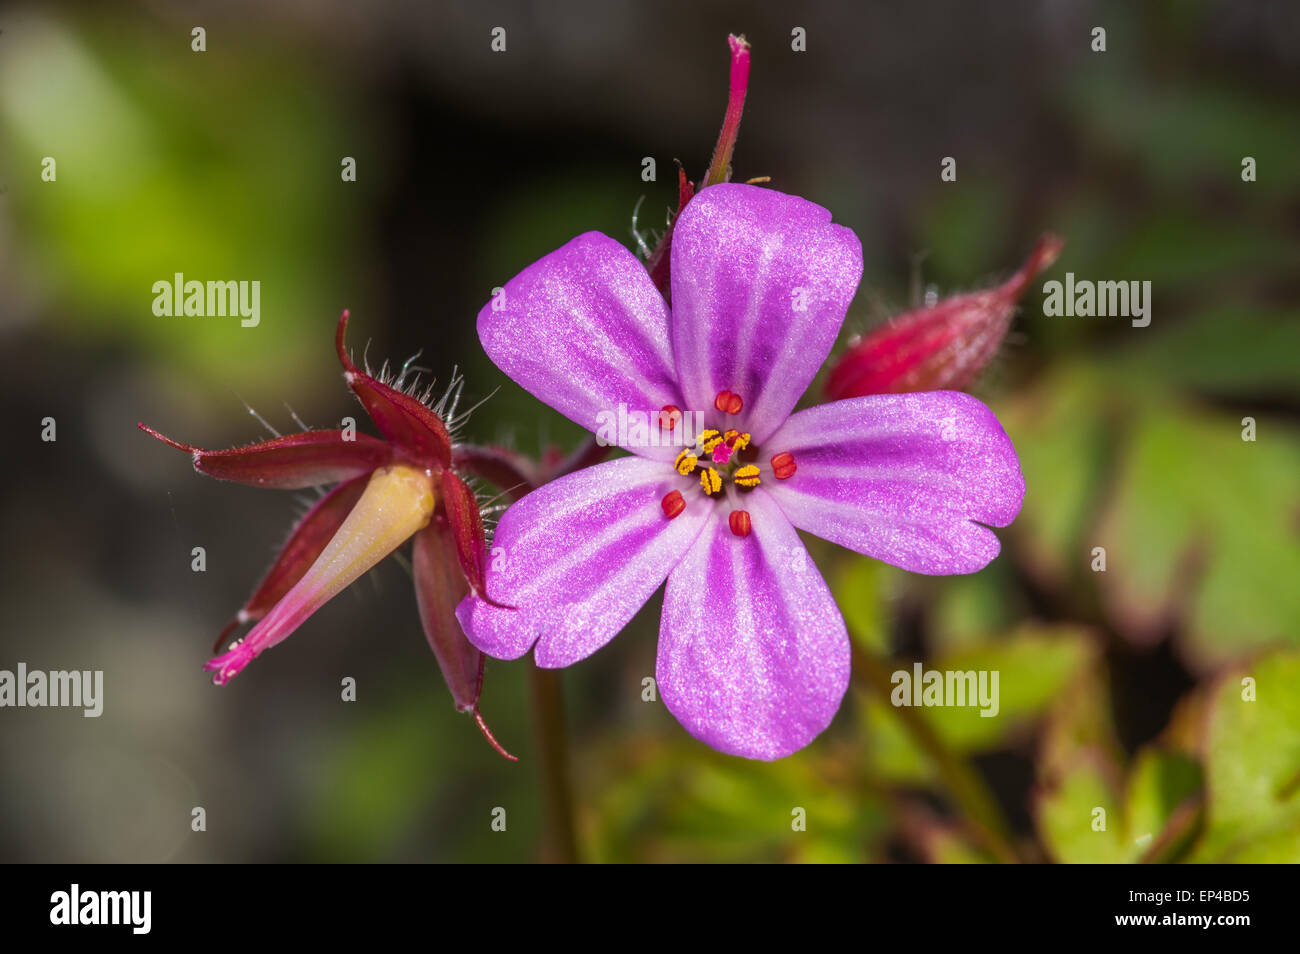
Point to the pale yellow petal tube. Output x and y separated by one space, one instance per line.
398 501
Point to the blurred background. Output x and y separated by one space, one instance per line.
1120 689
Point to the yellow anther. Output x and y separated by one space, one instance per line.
741 442
710 481
710 439
746 476
686 462
730 435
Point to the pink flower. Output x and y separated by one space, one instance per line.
753 654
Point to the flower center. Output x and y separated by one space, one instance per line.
718 458
721 458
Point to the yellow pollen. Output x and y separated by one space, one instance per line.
709 440
686 462
710 481
746 476
741 442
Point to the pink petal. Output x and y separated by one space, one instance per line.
578 558
753 654
290 462
761 282
905 478
584 330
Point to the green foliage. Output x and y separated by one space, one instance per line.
676 800
1253 765
167 162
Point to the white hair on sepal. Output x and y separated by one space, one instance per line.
642 248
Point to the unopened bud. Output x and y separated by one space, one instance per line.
943 347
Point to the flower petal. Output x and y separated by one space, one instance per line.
290 462
578 558
584 330
309 537
753 653
761 282
905 478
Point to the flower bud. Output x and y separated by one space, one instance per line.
942 347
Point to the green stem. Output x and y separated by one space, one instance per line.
560 842
964 784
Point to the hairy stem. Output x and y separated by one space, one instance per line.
506 471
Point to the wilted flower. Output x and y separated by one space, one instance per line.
753 653
387 492
945 345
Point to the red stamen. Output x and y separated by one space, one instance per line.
783 466
728 402
673 504
740 523
669 417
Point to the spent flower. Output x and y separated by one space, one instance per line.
386 492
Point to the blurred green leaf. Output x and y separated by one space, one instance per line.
1033 665
681 801
1253 765
970 609
1160 784
1079 814
861 587
1086 810
1059 427
164 166
1201 527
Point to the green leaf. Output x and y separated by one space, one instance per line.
861 587
1202 527
1033 666
1160 785
1061 433
1253 765
1151 813
681 801
1079 814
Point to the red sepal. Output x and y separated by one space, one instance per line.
290 462
415 430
